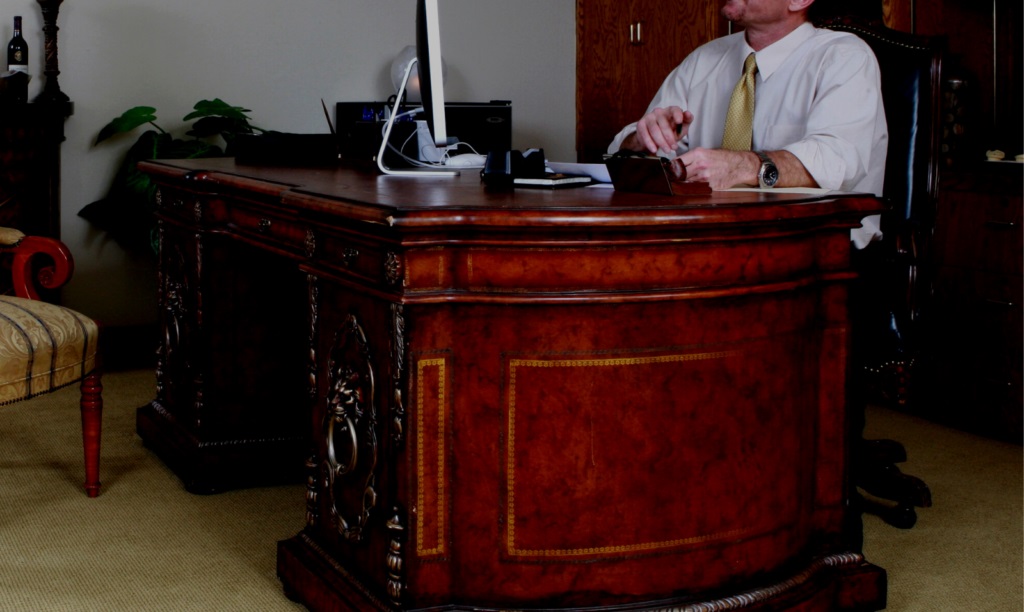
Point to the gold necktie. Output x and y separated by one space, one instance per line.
740 118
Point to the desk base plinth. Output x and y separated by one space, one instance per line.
843 582
207 467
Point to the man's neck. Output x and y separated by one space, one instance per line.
759 37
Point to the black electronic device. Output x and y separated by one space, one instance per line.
483 127
502 168
283 149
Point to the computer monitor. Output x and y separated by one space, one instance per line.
430 68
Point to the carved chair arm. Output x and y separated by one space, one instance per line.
36 262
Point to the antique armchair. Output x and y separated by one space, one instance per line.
890 304
43 346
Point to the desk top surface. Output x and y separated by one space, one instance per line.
357 193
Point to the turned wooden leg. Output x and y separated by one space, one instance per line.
92 421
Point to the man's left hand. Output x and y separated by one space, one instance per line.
721 168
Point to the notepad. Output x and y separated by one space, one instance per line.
553 180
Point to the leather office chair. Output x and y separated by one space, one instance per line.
43 346
891 302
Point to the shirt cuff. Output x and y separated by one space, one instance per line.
869 231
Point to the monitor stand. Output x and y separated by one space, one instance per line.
387 136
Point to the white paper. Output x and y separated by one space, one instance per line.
598 172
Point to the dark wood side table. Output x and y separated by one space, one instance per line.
518 400
30 139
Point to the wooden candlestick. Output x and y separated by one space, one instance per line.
51 88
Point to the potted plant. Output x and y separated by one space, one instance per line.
126 213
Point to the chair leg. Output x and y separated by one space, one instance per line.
92 413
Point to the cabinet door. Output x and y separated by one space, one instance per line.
624 52
30 138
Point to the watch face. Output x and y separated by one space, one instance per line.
769 174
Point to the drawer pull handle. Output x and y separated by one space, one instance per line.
1001 224
636 34
995 302
263 226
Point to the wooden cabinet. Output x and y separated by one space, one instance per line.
985 42
976 333
30 138
624 52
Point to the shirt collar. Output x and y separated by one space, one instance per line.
772 56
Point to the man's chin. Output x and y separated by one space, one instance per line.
730 10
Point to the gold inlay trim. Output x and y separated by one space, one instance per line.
421 394
514 364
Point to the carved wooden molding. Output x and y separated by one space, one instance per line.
396 558
398 372
765 594
310 244
313 313
393 268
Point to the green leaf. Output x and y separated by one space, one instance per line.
220 126
217 108
128 121
150 145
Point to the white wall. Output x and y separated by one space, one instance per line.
277 59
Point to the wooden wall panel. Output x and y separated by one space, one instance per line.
619 69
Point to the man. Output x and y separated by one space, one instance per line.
818 115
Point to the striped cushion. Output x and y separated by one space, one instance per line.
42 347
10 236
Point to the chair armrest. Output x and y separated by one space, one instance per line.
37 263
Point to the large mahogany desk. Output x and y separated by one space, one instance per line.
537 399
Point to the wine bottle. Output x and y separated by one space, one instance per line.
17 50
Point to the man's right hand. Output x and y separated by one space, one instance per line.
660 129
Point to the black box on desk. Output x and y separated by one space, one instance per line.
485 126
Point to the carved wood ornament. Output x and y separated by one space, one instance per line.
349 469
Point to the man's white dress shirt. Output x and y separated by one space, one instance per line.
818 96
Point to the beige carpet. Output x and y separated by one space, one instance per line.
965 552
146 544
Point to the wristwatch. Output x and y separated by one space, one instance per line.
768 175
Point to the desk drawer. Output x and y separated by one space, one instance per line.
978 318
980 231
268 229
245 218
177 204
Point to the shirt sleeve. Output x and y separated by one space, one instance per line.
847 106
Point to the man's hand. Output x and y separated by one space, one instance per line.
660 129
721 168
